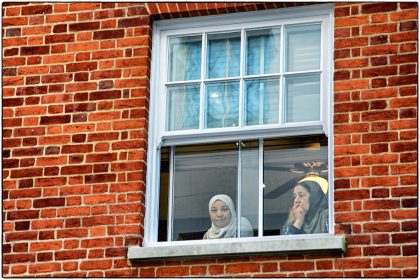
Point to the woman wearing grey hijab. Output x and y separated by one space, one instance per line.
310 210
224 223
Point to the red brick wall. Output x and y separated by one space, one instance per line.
75 109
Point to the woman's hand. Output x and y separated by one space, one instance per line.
299 213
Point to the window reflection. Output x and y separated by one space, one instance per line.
202 202
200 172
286 163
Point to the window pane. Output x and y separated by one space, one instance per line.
262 101
303 48
183 107
185 58
303 98
223 58
201 172
288 161
222 104
249 188
263 51
163 197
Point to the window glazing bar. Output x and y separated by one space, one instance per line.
171 192
203 73
239 199
261 187
241 83
281 83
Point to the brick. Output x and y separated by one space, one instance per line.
49 202
59 38
379 28
82 26
25 173
103 95
351 42
402 102
25 193
73 211
171 271
351 195
23 215
83 6
379 40
379 8
37 9
380 50
63 78
381 250
381 204
403 147
47 223
351 107
72 233
19 236
95 265
94 179
60 119
297 266
18 258
379 137
352 263
404 238
31 90
46 246
108 34
44 267
402 58
131 22
351 21
77 169
379 71
70 149
82 66
106 14
38 50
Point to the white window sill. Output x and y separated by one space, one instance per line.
234 247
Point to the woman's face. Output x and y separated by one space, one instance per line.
220 214
301 198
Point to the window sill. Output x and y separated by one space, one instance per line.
245 246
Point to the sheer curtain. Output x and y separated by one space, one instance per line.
222 98
262 95
185 65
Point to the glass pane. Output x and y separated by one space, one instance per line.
287 163
201 173
222 104
303 98
303 48
263 51
163 196
249 188
183 107
185 58
262 101
224 55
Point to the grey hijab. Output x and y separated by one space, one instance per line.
316 218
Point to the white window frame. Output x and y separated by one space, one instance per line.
158 137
